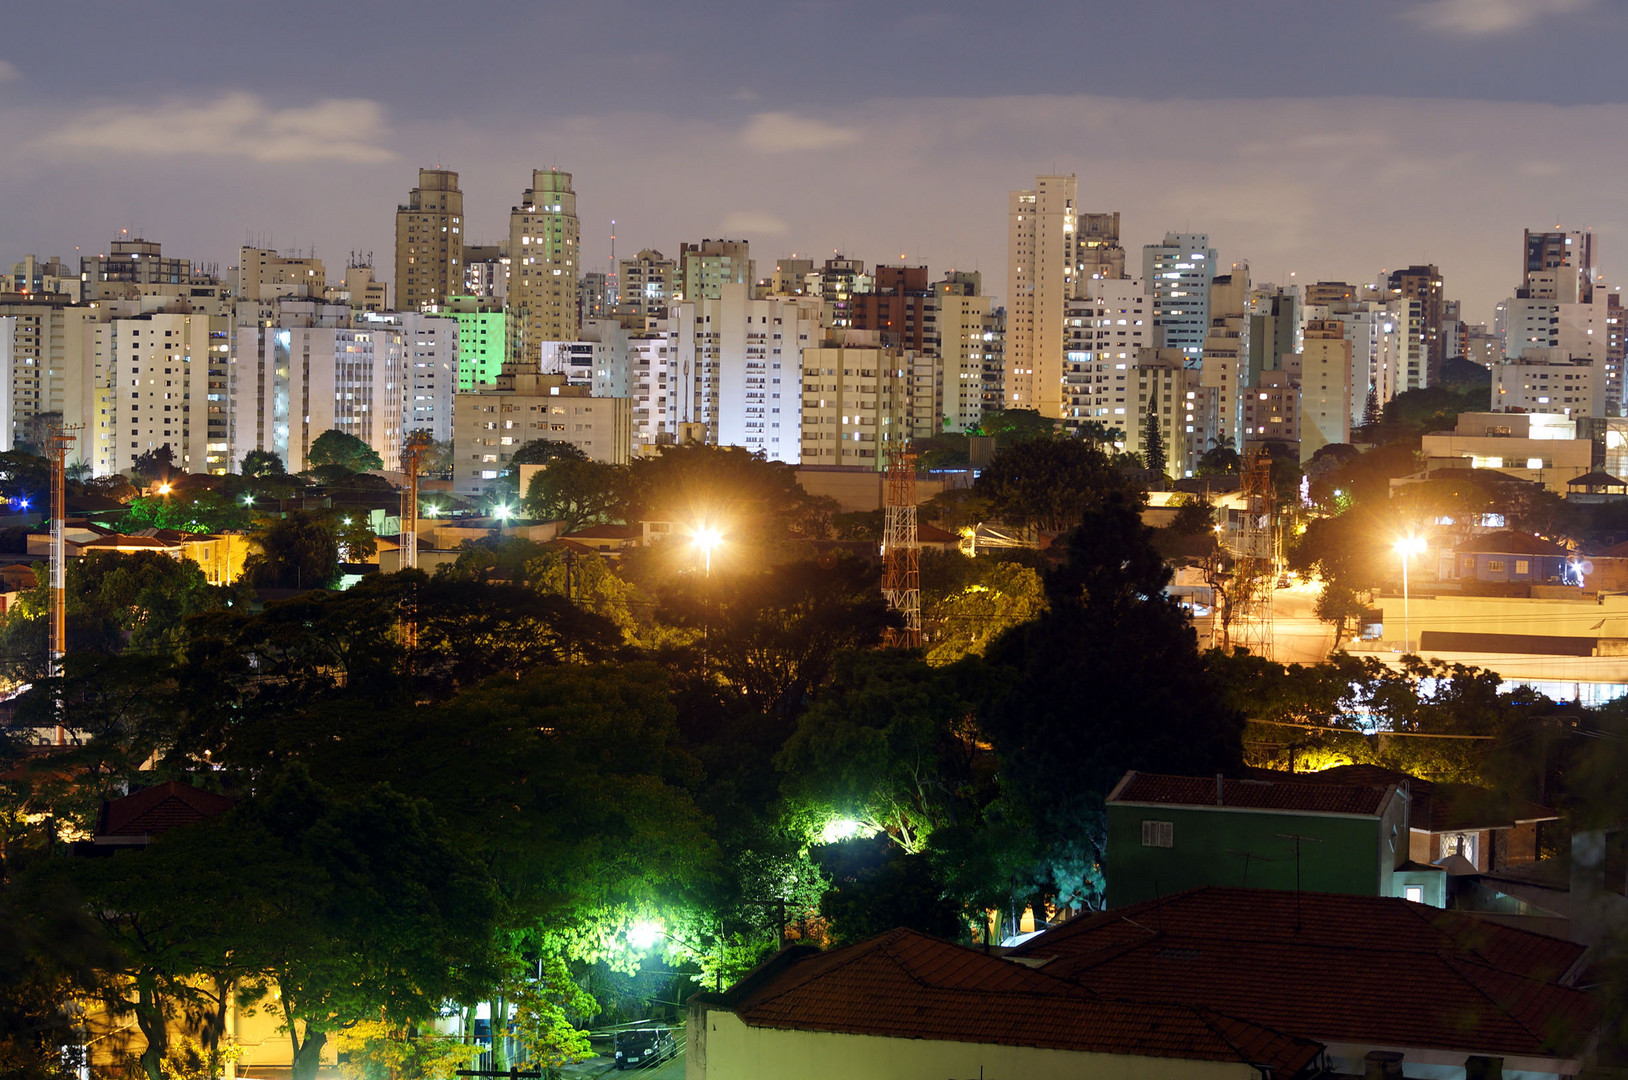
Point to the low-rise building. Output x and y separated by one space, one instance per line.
490 425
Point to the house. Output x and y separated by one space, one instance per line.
608 540
138 817
1378 981
906 1006
1358 829
1508 556
1168 833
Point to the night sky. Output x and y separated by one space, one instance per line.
1325 138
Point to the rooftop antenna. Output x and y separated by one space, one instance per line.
1248 857
1298 840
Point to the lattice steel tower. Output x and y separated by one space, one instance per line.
1255 568
901 550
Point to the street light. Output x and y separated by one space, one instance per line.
706 538
1408 545
248 500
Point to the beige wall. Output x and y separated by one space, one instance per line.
721 1047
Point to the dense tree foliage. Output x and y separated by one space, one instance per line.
335 447
1048 482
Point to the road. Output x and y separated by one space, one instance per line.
596 1067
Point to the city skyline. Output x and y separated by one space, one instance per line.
1327 145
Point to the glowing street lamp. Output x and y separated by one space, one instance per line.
1408 545
248 500
164 488
644 933
706 538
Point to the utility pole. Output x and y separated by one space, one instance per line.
412 453
61 438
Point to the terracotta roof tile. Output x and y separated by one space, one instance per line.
1296 797
1334 968
159 809
907 985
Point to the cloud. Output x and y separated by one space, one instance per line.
775 132
751 221
1484 18
235 125
9 72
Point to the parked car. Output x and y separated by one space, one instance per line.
637 1047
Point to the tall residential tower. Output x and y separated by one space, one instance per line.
430 242
1042 263
543 259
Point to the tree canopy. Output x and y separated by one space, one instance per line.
335 447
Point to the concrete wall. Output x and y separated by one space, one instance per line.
861 488
721 1047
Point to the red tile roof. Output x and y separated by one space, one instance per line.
1436 807
1304 798
907 985
159 809
1337 968
607 532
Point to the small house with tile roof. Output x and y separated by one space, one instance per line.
906 1006
1168 833
136 818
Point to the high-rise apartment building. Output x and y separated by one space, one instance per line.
1166 393
1560 264
1426 350
854 400
705 268
1178 273
1548 381
1105 334
8 331
1325 386
429 367
544 237
737 368
969 350
491 424
1100 253
486 271
53 357
170 377
130 264
899 307
430 242
649 284
263 274
1225 367
482 340
294 380
1042 268
33 274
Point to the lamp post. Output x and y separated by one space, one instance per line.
1408 545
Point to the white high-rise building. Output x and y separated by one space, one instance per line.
8 330
1042 268
429 367
1104 335
738 368
292 383
598 359
168 376
1178 273
1549 381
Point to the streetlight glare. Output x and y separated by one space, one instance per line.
706 539
643 934
163 489
839 829
1410 545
